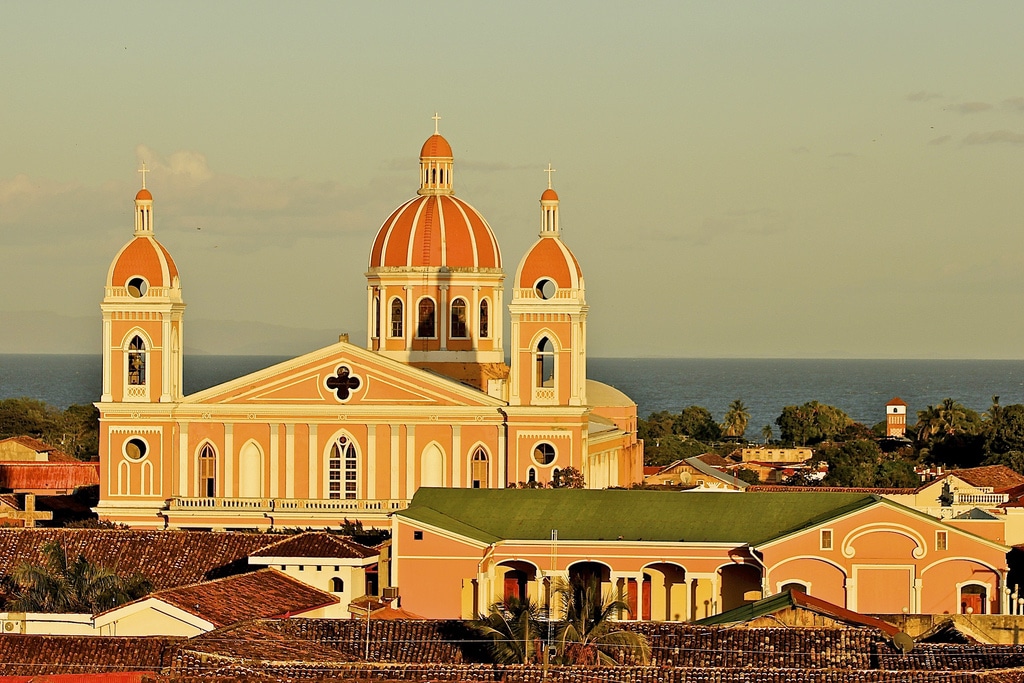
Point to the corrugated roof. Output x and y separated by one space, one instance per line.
489 515
51 476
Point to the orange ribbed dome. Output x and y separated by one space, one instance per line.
549 196
436 146
435 231
144 194
143 257
549 259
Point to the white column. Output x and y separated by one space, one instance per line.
275 465
457 456
183 459
498 317
410 460
314 472
409 318
165 359
442 319
369 317
384 316
473 320
501 458
395 472
289 460
371 461
229 461
107 360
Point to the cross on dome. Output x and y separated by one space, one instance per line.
436 118
549 171
144 171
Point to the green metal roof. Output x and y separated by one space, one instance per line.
489 515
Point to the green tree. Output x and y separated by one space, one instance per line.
1012 459
811 423
698 422
767 434
853 463
513 629
569 478
749 476
589 633
78 586
897 474
734 424
1005 429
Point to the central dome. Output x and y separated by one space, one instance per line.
435 229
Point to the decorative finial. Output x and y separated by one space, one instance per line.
436 119
549 171
144 171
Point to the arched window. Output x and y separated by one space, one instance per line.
531 476
342 469
484 329
426 327
376 316
545 363
480 469
337 585
555 483
458 328
396 317
136 361
207 471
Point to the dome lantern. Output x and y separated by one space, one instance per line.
436 163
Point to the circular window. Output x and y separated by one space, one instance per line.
545 288
544 453
137 287
135 449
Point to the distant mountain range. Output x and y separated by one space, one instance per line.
44 332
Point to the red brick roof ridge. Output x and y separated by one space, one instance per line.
316 544
832 609
781 488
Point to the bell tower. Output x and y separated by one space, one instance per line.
142 317
549 319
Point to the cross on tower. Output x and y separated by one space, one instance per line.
436 119
343 383
549 171
144 171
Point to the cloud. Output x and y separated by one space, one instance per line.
801 150
995 137
940 140
923 96
843 155
1014 103
971 107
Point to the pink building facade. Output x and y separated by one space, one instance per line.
686 556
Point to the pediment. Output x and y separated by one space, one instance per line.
342 375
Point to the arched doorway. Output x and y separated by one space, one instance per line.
740 585
973 599
662 594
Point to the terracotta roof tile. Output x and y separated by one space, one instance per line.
263 594
317 544
53 453
167 558
769 488
998 477
29 655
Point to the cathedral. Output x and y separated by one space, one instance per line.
351 431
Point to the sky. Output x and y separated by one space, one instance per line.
785 179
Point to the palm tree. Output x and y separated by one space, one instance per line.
58 585
513 627
588 635
736 418
953 416
766 433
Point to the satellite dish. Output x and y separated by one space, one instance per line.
903 642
